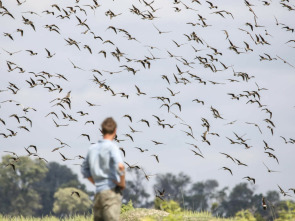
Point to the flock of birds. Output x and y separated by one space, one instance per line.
78 12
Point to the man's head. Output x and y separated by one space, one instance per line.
108 127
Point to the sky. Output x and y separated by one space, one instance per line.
175 155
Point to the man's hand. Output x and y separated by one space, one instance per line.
91 180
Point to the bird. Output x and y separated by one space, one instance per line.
177 104
156 156
240 163
64 158
49 55
172 93
264 206
12 166
292 189
226 168
157 142
273 156
8 35
161 32
123 151
57 148
266 147
132 166
196 153
228 156
32 53
91 104
250 179
134 131
139 92
256 125
283 192
161 193
86 135
268 170
145 121
61 142
129 117
128 135
75 193
141 150
11 53
59 125
76 67
147 176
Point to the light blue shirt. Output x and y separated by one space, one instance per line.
101 163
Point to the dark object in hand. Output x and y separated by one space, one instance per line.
118 189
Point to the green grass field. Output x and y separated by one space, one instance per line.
131 215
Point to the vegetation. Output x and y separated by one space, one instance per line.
16 186
54 191
70 201
142 214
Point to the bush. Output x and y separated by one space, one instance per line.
174 217
68 203
286 211
244 215
170 206
127 207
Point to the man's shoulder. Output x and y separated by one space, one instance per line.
103 144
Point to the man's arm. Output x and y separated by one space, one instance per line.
86 170
91 180
121 169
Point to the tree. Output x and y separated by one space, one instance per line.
220 196
286 210
136 191
169 206
17 196
200 195
239 198
174 185
71 201
244 215
57 176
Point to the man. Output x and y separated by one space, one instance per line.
103 166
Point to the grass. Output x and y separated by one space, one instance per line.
45 218
131 215
158 215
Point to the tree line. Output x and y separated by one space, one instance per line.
35 188
208 196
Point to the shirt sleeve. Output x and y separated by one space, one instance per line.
85 169
116 155
116 158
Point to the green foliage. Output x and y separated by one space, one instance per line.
239 198
174 217
16 187
244 215
127 207
200 194
46 218
58 176
258 217
170 206
174 185
136 190
67 203
286 211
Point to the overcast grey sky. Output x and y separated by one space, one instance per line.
175 155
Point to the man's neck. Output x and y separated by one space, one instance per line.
108 137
